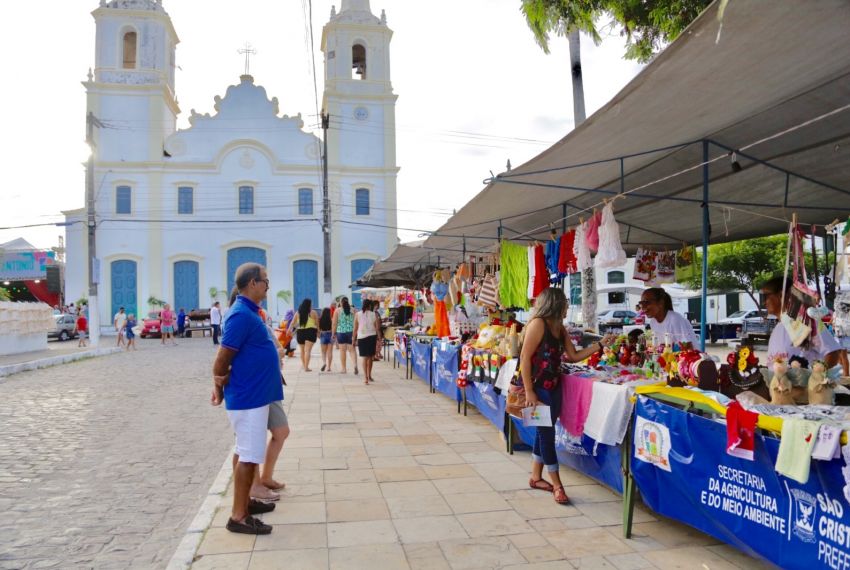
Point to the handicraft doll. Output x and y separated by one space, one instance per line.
440 290
820 387
780 385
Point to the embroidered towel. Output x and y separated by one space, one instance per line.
576 395
795 450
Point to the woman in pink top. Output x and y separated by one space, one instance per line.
167 318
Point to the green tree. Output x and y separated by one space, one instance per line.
745 265
648 25
154 302
4 294
283 295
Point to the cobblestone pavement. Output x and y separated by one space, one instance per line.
390 476
104 462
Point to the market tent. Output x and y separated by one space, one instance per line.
772 82
409 265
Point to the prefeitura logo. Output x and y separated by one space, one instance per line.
805 512
652 443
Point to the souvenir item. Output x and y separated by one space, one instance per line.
567 258
440 290
780 386
644 264
611 252
665 267
686 264
820 387
513 283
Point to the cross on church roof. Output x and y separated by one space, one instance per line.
248 51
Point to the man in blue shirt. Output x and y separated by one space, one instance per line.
246 376
181 323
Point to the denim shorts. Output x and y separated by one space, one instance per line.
343 338
325 337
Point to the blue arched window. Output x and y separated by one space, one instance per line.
246 199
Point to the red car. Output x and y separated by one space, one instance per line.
151 326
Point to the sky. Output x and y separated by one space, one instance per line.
474 91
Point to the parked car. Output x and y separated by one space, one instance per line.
151 326
64 329
731 326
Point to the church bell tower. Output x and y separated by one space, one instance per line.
132 85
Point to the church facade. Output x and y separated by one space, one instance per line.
178 210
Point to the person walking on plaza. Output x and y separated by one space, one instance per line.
167 321
215 321
119 321
326 339
546 341
129 333
82 328
247 378
343 328
306 323
366 337
181 322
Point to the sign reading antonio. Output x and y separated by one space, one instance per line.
683 471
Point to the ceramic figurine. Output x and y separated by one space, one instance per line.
780 386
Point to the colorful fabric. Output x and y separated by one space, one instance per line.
644 264
592 231
567 257
686 264
577 394
441 319
513 284
541 274
582 251
552 255
532 271
740 431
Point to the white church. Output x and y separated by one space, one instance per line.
178 210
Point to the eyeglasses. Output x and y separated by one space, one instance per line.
266 281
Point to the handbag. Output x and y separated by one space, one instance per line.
800 296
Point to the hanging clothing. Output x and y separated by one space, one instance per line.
513 282
592 231
740 431
644 264
610 253
532 271
541 274
567 256
795 449
553 253
582 251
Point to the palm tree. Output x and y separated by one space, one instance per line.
4 294
569 18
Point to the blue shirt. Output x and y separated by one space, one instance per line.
255 370
181 319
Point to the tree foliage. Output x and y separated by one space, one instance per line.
4 294
648 25
745 265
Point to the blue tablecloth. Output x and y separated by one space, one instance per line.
682 470
420 354
444 368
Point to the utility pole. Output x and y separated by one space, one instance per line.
326 210
92 265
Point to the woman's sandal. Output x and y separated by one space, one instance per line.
560 495
541 484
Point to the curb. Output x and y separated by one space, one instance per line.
10 369
184 556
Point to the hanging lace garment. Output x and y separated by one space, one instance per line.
582 251
532 270
610 253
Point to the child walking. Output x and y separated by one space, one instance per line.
81 328
128 332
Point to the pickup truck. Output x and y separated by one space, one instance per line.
753 330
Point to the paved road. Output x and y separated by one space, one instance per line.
104 462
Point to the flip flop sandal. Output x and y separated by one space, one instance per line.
270 498
256 507
249 526
541 484
560 495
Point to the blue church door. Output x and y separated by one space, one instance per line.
186 286
123 279
306 281
239 255
358 268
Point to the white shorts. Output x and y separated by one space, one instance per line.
250 428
